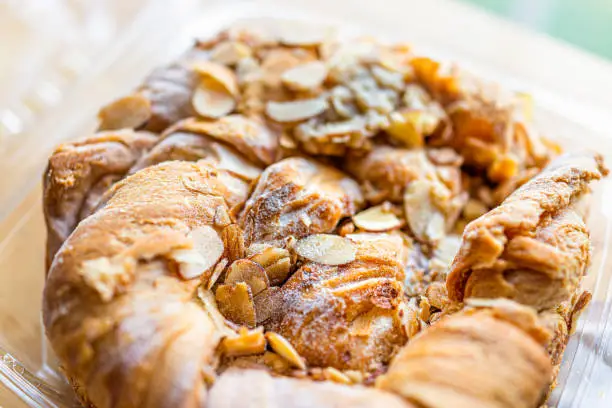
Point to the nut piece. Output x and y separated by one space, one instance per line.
214 277
211 100
233 238
326 249
377 219
335 375
248 272
219 74
425 220
305 77
283 348
266 303
131 111
295 110
205 253
246 343
276 262
230 52
235 302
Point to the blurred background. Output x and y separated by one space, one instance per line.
584 23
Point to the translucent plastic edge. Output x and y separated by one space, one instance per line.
34 391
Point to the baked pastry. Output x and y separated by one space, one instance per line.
277 212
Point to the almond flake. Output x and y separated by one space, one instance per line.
377 219
284 349
211 100
131 111
326 249
425 220
303 35
246 343
206 251
250 273
235 302
219 74
276 262
335 375
230 52
214 277
305 77
295 110
233 238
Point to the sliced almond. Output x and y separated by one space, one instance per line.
276 262
335 375
131 111
355 376
211 100
219 74
303 35
284 349
295 110
250 273
425 220
275 362
222 217
217 271
246 343
235 302
233 238
205 253
305 77
326 249
230 52
377 219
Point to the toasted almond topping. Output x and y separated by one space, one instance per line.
214 277
246 343
230 52
303 35
131 111
425 220
235 302
233 238
377 219
305 77
275 362
326 249
222 217
356 377
335 375
295 110
211 100
283 348
250 273
219 74
206 251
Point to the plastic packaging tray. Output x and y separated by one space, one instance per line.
569 113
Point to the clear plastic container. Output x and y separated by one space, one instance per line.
570 89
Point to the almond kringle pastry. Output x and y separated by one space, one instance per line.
275 213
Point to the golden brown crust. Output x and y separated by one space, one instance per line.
297 197
346 316
501 345
534 247
131 334
79 173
